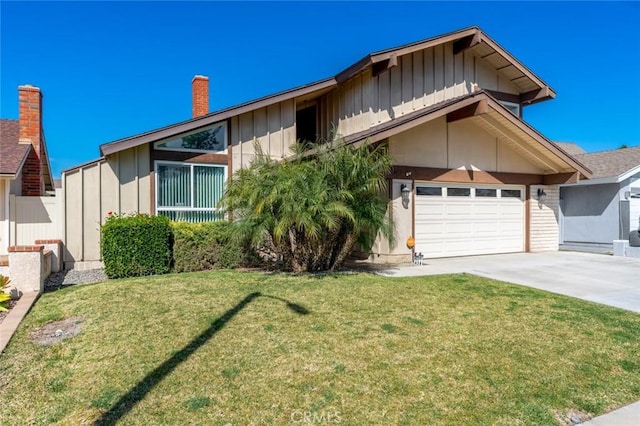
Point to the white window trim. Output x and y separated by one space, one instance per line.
191 165
193 132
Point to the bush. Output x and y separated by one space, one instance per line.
4 297
136 245
203 246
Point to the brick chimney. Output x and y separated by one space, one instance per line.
30 119
200 95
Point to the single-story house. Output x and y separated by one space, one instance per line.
450 108
24 163
607 207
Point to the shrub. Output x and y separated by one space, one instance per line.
4 297
315 207
203 246
135 245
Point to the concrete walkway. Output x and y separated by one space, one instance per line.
613 281
626 416
10 323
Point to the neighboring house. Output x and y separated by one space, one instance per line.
450 109
24 164
606 207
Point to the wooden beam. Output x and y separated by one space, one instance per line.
467 42
560 178
477 108
464 176
503 96
379 67
536 96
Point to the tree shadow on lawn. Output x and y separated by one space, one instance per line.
142 388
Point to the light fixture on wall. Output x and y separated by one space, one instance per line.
405 192
541 195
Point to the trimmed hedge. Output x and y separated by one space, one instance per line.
136 245
203 246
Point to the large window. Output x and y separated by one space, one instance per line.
213 138
189 192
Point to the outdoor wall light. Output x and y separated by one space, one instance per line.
541 195
406 195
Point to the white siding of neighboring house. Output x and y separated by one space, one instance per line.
4 215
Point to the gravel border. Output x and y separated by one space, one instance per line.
62 279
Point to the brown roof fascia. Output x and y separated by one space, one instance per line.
48 175
393 127
548 91
80 166
195 123
383 55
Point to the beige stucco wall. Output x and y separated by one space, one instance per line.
384 252
273 127
544 219
457 145
120 184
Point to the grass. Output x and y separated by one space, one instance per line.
249 348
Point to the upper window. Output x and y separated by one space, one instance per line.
213 138
307 124
189 192
513 107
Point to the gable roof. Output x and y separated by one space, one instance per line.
469 38
12 153
496 119
618 164
534 87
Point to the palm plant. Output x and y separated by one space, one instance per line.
313 208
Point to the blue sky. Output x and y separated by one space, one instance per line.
114 69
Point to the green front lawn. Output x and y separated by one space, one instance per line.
250 348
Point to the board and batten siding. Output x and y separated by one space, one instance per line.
543 219
419 80
272 127
458 145
120 184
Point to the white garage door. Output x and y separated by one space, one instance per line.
458 220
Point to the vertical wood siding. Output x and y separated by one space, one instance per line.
34 218
418 81
120 184
272 127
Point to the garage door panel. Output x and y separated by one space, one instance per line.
460 226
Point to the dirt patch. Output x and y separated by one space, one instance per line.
571 417
57 331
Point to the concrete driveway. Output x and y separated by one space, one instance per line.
609 280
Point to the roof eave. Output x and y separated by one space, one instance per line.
216 116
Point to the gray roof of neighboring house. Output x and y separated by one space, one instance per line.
571 148
12 153
611 163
